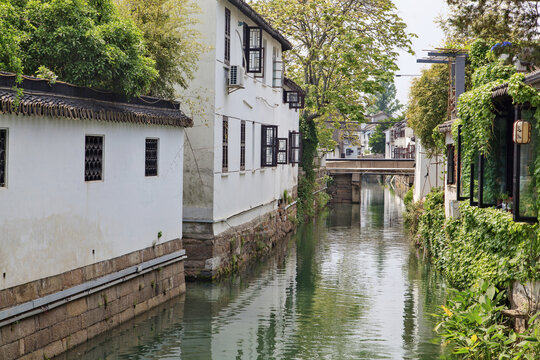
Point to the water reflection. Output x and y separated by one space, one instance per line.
348 286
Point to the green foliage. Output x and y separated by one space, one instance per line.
342 51
484 243
385 100
171 40
408 198
10 40
478 53
476 110
412 214
428 105
515 21
472 327
83 42
377 141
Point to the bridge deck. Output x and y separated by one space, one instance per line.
371 166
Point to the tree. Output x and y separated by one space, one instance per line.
516 21
84 42
377 141
428 105
385 100
342 51
171 40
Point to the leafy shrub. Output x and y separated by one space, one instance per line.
472 327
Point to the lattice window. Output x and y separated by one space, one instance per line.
225 145
243 145
227 36
269 145
3 157
282 151
295 147
151 157
253 49
93 160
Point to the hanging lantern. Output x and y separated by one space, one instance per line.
522 132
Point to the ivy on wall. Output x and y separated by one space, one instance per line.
483 244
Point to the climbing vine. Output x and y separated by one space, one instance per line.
307 183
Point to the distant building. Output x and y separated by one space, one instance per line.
242 155
400 142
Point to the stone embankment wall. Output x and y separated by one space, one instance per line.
345 188
56 330
220 255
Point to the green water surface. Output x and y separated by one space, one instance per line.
347 286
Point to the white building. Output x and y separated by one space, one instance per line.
242 154
78 191
400 142
90 201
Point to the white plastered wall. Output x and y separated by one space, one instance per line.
428 172
240 196
52 220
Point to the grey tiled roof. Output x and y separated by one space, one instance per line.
68 101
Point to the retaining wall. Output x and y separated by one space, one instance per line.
53 330
222 254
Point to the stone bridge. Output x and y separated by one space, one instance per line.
347 174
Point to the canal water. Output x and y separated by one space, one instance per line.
347 286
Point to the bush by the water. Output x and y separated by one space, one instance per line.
483 251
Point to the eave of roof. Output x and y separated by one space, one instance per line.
446 126
40 98
531 78
259 20
292 85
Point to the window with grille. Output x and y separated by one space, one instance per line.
261 74
253 48
294 147
243 145
227 36
268 145
151 158
3 157
225 145
93 159
295 99
282 151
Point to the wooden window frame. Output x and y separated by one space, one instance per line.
450 164
282 151
227 40
242 145
295 143
151 157
266 144
93 157
516 175
225 144
277 69
3 157
253 47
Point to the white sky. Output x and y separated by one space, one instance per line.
419 15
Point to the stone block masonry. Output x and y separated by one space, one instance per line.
58 329
227 252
